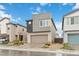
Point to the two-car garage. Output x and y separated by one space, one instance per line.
39 39
73 39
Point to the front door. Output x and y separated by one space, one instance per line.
21 37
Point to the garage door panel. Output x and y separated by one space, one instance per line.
73 38
39 39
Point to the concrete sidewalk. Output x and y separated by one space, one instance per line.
50 50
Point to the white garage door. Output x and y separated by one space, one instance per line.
73 38
39 39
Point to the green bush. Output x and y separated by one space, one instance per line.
5 42
66 46
17 42
21 42
46 45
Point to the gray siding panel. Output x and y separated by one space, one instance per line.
37 18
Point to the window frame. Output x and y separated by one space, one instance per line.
43 23
72 20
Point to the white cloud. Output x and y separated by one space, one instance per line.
38 9
19 18
35 12
44 4
16 20
13 20
59 28
4 14
76 6
70 4
2 7
65 4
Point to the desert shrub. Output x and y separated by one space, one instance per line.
21 42
46 45
17 42
67 46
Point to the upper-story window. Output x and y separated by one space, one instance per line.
16 25
22 29
76 19
67 20
8 28
43 23
72 20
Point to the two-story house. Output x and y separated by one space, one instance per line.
41 29
70 26
10 31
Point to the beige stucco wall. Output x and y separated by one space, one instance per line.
17 31
53 30
3 26
11 32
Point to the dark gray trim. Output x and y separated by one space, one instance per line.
11 23
29 26
71 31
39 32
4 18
62 23
21 25
53 24
16 25
71 12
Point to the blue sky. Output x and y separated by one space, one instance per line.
19 12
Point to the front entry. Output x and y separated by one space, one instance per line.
21 37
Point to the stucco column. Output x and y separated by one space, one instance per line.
65 38
49 37
28 38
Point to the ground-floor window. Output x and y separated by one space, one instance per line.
21 37
16 36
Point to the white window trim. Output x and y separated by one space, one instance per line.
68 20
44 23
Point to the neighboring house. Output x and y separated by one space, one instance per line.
10 31
41 29
70 28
